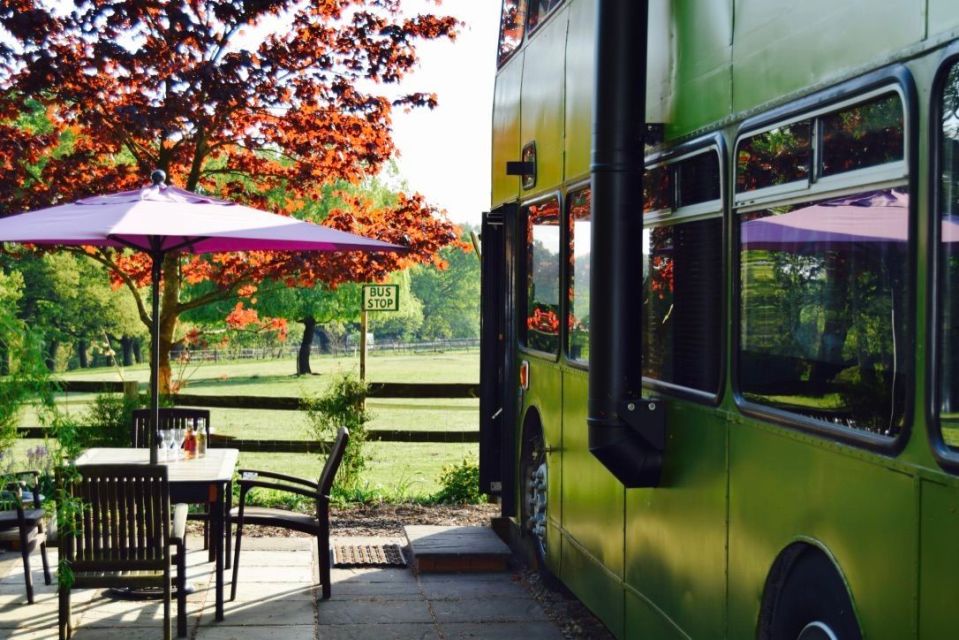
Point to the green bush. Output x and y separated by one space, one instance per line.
108 421
460 484
342 405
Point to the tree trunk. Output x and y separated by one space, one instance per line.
82 346
169 301
137 350
4 359
303 357
50 357
126 350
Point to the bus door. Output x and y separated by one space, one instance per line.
498 383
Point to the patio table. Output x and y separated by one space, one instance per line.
205 480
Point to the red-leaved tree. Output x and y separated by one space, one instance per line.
127 86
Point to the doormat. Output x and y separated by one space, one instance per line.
368 555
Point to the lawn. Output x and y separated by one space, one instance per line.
399 468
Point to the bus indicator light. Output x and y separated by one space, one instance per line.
524 375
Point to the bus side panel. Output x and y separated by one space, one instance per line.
506 146
644 620
942 15
939 589
593 510
676 533
580 59
543 105
784 489
783 46
703 92
544 395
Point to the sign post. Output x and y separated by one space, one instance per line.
376 297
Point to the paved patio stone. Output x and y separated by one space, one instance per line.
277 600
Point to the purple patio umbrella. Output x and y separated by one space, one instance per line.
162 219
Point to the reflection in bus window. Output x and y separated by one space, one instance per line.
512 23
949 261
538 11
865 135
682 303
697 179
774 157
657 189
542 277
823 309
579 258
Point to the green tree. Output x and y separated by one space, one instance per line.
450 295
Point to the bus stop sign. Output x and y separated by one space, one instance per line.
381 297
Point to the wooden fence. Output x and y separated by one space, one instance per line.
267 403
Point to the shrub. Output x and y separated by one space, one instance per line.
109 421
342 405
460 484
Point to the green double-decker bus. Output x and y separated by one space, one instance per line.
720 365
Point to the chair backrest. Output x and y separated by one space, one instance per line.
333 461
169 418
123 519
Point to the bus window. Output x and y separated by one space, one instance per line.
658 189
542 277
538 11
775 157
579 257
512 24
949 260
862 136
682 305
697 179
824 307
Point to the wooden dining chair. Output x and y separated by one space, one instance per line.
120 535
317 524
23 524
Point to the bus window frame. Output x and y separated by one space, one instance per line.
947 457
502 61
529 29
895 77
523 276
565 231
700 211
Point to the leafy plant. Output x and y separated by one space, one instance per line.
460 484
109 421
343 404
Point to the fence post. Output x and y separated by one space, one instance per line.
131 390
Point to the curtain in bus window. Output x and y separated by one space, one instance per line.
682 303
775 157
512 24
949 261
538 11
862 136
579 263
823 309
542 277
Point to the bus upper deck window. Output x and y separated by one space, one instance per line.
579 268
862 136
541 329
697 179
658 189
779 156
512 24
539 9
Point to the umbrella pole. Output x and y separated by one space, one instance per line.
157 256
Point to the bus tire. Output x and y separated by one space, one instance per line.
534 474
806 599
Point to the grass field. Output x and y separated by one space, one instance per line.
409 469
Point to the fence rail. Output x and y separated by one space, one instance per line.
277 403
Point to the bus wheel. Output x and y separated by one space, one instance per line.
535 475
806 599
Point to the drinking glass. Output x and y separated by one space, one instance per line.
164 436
178 434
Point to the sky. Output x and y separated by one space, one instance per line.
445 153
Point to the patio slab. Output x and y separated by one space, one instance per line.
277 598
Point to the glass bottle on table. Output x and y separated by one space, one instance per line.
200 443
189 444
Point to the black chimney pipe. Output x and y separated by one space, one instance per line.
626 432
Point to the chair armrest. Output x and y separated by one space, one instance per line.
246 485
276 476
178 530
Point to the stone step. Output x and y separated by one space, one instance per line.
456 549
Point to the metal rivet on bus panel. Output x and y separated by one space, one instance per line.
652 406
631 406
